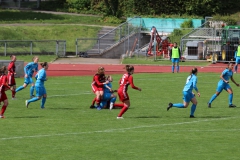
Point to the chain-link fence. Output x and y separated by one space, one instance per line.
44 47
20 4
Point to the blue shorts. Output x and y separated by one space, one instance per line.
187 96
106 96
175 60
28 80
224 86
238 60
40 91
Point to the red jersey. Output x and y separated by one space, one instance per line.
125 81
11 68
3 83
98 80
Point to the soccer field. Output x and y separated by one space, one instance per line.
68 130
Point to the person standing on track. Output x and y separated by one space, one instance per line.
188 94
41 77
29 69
125 81
237 56
11 75
175 55
224 84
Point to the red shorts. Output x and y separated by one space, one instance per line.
123 95
3 96
95 88
11 80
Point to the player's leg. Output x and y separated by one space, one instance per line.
193 107
173 64
230 96
177 65
5 104
126 104
186 100
25 84
32 88
112 101
219 90
44 98
38 96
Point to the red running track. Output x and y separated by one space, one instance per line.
90 69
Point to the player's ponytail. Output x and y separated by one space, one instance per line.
44 64
101 70
194 70
129 68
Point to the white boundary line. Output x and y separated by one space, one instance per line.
112 130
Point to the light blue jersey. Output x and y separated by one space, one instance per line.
30 68
191 83
41 77
227 74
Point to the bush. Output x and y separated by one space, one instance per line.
187 24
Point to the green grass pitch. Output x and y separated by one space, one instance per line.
68 130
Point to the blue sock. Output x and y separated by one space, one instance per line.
173 67
43 102
212 99
193 108
33 99
31 90
113 100
177 68
236 67
19 88
178 105
230 98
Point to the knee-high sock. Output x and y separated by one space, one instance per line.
193 108
33 99
98 101
43 102
3 109
13 93
32 90
236 68
173 67
212 99
123 110
121 105
19 88
177 68
93 102
230 98
178 105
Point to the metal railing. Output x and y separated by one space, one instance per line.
33 47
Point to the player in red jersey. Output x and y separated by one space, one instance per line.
11 74
99 80
3 87
126 79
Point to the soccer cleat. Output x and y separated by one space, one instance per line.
111 106
192 116
99 108
32 96
92 106
169 106
120 118
2 116
232 106
209 105
26 103
13 98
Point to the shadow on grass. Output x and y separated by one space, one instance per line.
212 116
63 108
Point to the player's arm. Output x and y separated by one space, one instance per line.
221 76
195 86
98 82
132 84
179 53
10 68
5 83
234 81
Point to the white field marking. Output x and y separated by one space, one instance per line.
67 95
113 130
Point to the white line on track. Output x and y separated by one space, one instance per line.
113 130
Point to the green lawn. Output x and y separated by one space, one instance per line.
68 129
28 58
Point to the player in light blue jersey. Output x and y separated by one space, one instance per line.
29 70
107 95
224 84
237 57
188 94
41 77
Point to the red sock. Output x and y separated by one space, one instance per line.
3 109
123 110
13 94
121 105
93 102
97 101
